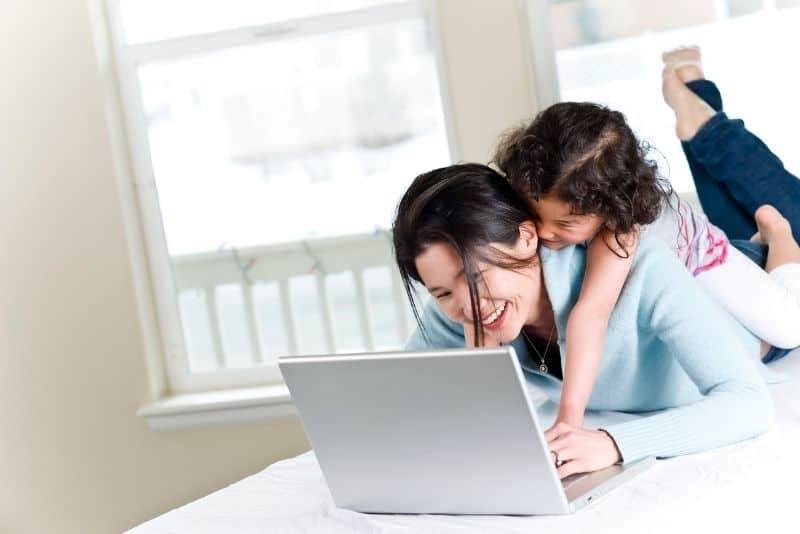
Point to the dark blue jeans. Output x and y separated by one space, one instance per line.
734 173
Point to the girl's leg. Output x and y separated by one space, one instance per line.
783 248
775 231
766 303
760 302
732 156
718 204
722 209
782 261
741 162
755 251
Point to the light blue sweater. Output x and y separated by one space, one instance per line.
669 349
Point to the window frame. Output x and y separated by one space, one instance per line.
142 192
541 53
544 71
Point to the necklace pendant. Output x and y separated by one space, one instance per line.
543 368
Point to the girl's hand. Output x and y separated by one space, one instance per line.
581 450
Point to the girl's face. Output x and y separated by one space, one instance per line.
508 299
558 226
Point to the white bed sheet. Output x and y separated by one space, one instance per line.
751 486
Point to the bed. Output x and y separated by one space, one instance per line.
750 486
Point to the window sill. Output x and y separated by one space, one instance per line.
219 407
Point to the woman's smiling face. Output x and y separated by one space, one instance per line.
508 298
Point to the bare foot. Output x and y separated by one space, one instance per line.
771 224
776 232
691 112
686 61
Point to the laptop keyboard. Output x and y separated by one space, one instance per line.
572 479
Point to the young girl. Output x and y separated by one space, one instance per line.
588 180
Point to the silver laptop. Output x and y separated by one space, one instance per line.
445 432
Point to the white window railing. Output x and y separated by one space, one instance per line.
242 308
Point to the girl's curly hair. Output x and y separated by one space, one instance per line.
587 156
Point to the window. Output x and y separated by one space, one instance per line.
609 51
271 142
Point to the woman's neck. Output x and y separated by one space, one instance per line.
542 319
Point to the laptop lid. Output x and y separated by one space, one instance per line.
426 432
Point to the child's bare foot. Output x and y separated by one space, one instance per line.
686 61
691 112
776 232
771 224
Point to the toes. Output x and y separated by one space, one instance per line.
767 213
770 222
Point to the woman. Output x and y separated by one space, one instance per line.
463 233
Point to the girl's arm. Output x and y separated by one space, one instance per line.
607 266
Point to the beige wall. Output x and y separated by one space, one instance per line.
487 71
75 457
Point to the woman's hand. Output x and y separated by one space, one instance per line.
581 450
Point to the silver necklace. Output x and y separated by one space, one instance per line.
543 365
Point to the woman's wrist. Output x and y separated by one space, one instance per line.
613 444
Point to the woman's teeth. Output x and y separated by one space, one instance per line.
494 315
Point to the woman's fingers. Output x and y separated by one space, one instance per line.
570 468
578 450
556 430
563 445
562 451
570 456
567 455
563 440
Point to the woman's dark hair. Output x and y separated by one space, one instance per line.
467 206
586 155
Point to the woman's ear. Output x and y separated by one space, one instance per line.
528 237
